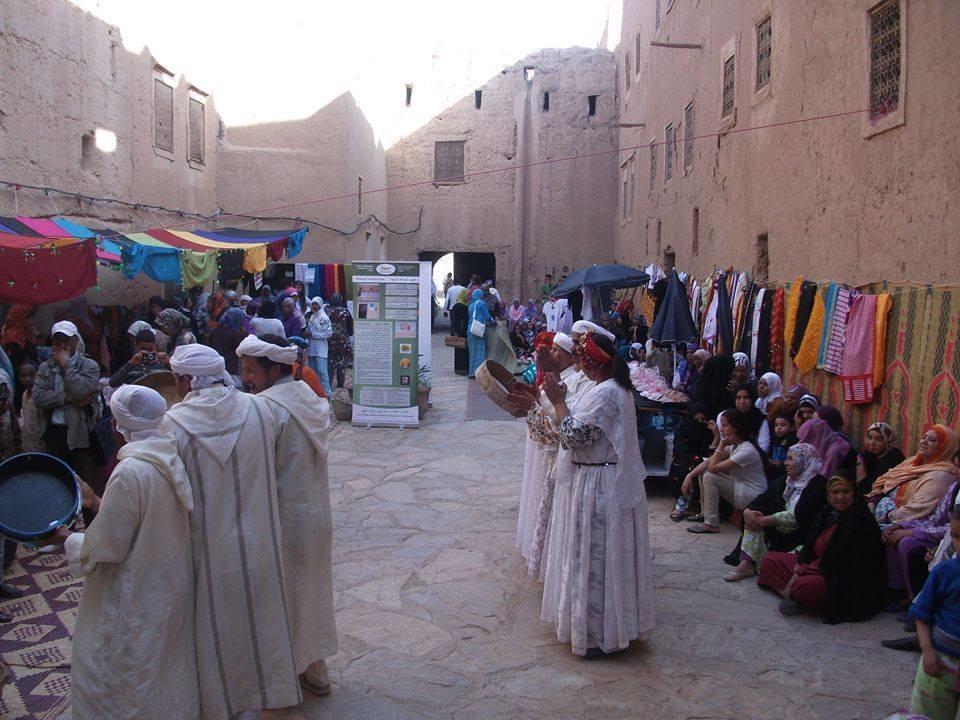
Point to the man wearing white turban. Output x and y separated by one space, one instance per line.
226 440
134 653
306 524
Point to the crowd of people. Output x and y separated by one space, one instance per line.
206 537
838 526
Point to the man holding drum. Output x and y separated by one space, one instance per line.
134 652
306 525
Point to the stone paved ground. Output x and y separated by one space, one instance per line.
437 619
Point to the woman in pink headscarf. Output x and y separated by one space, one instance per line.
835 452
515 314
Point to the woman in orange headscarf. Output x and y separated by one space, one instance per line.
917 485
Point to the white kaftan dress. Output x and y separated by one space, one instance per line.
306 523
226 440
598 586
134 652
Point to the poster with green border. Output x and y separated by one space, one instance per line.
386 315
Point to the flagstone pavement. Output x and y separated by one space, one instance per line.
437 618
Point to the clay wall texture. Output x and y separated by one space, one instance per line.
535 219
839 198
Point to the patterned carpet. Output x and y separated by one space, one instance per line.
36 645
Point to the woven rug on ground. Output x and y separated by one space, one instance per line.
36 645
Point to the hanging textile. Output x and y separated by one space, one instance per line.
724 319
806 357
838 329
44 275
790 312
160 264
762 364
777 331
884 304
255 259
16 227
857 376
647 305
295 243
830 307
808 291
275 250
755 312
230 265
198 268
709 333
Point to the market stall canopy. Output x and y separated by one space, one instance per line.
605 276
673 323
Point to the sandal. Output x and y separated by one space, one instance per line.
676 516
698 518
702 529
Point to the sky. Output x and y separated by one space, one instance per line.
283 60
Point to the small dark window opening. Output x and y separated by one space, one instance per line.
695 245
546 102
88 149
477 98
761 270
360 196
659 236
409 89
592 105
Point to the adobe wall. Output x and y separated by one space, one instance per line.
836 205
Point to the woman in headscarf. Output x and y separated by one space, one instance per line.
743 402
340 347
832 417
835 452
292 322
156 306
477 346
693 371
769 394
712 389
515 314
782 516
226 336
531 310
879 456
17 338
912 490
201 314
741 370
598 585
319 330
176 326
841 570
807 407
301 297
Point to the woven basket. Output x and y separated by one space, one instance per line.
342 404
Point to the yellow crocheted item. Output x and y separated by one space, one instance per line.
790 312
884 304
806 359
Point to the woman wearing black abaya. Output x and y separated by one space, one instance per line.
711 390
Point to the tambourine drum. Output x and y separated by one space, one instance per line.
38 494
165 383
496 382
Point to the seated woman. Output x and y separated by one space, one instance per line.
691 444
807 407
711 389
841 570
879 456
912 490
735 472
743 402
780 517
835 452
770 399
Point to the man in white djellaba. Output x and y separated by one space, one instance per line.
303 490
226 440
598 585
134 653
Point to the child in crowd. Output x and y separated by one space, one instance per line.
937 614
784 438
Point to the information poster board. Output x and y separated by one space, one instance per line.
386 343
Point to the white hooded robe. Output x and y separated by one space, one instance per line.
306 523
134 652
226 440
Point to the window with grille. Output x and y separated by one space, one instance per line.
653 165
196 117
695 243
626 197
162 114
884 59
637 50
764 39
626 70
668 154
656 19
448 161
633 182
688 137
729 67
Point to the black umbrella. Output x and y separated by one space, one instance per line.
724 317
606 276
674 323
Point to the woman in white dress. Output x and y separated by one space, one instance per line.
598 586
